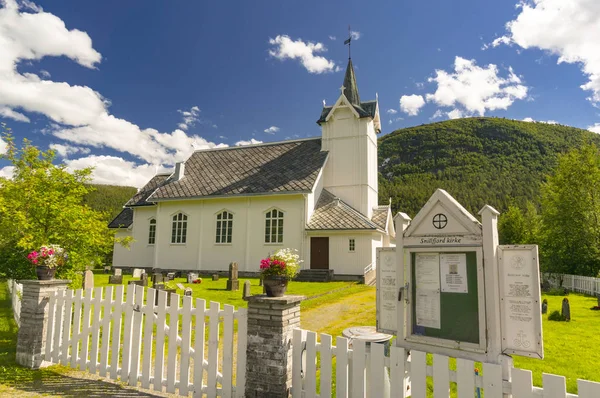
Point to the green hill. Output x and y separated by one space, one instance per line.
108 199
477 160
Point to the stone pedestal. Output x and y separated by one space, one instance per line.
34 316
271 321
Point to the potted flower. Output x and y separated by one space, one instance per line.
277 269
47 260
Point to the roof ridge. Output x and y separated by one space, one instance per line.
229 148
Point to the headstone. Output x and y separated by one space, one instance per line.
599 300
187 291
137 272
159 286
118 272
88 280
246 292
157 277
107 269
233 283
170 276
544 307
215 277
134 282
115 279
566 309
191 277
144 279
180 286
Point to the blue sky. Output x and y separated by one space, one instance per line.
131 87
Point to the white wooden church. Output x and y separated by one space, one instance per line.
316 195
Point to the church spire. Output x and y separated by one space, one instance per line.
350 87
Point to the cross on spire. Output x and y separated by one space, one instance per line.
348 41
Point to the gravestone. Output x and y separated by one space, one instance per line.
157 277
138 283
544 307
233 283
144 279
191 277
566 309
215 277
107 269
170 276
599 300
187 291
88 280
246 292
118 272
137 272
115 279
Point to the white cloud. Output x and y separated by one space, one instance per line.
190 117
12 114
392 111
286 48
411 104
115 170
355 35
45 74
7 171
595 128
332 38
65 150
568 29
476 89
3 147
531 120
272 130
251 142
78 114
438 114
31 6
455 114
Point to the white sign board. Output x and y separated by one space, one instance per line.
387 291
427 290
453 268
520 307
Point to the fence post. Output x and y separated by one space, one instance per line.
271 321
34 315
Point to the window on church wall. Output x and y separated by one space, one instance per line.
179 228
274 226
351 244
224 227
152 232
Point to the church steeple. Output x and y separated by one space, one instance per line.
350 87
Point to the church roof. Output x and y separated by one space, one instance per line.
284 167
350 87
380 216
332 213
366 109
140 198
123 220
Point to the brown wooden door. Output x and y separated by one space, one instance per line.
319 253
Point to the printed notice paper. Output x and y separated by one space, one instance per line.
427 293
454 272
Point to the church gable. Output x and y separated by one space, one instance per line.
442 214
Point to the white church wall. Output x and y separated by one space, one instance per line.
247 248
122 256
313 197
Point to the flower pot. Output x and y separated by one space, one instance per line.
44 273
275 286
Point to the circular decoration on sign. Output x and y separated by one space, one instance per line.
440 221
517 262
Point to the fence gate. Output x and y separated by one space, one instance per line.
145 338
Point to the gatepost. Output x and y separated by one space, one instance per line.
454 291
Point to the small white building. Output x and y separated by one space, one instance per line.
316 195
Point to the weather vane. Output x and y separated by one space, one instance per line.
348 41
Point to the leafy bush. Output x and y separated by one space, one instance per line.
557 291
556 316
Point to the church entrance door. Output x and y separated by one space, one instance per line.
319 253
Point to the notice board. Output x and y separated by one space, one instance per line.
445 295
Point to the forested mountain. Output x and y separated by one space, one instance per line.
477 160
108 199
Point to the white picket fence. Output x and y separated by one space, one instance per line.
128 337
582 284
360 373
16 293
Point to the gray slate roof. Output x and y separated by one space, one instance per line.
285 167
380 216
140 198
332 213
366 109
123 220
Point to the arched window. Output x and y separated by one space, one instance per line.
179 230
224 227
152 232
274 226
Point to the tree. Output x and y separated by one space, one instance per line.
519 227
571 214
42 204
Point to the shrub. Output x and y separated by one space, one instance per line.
556 316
